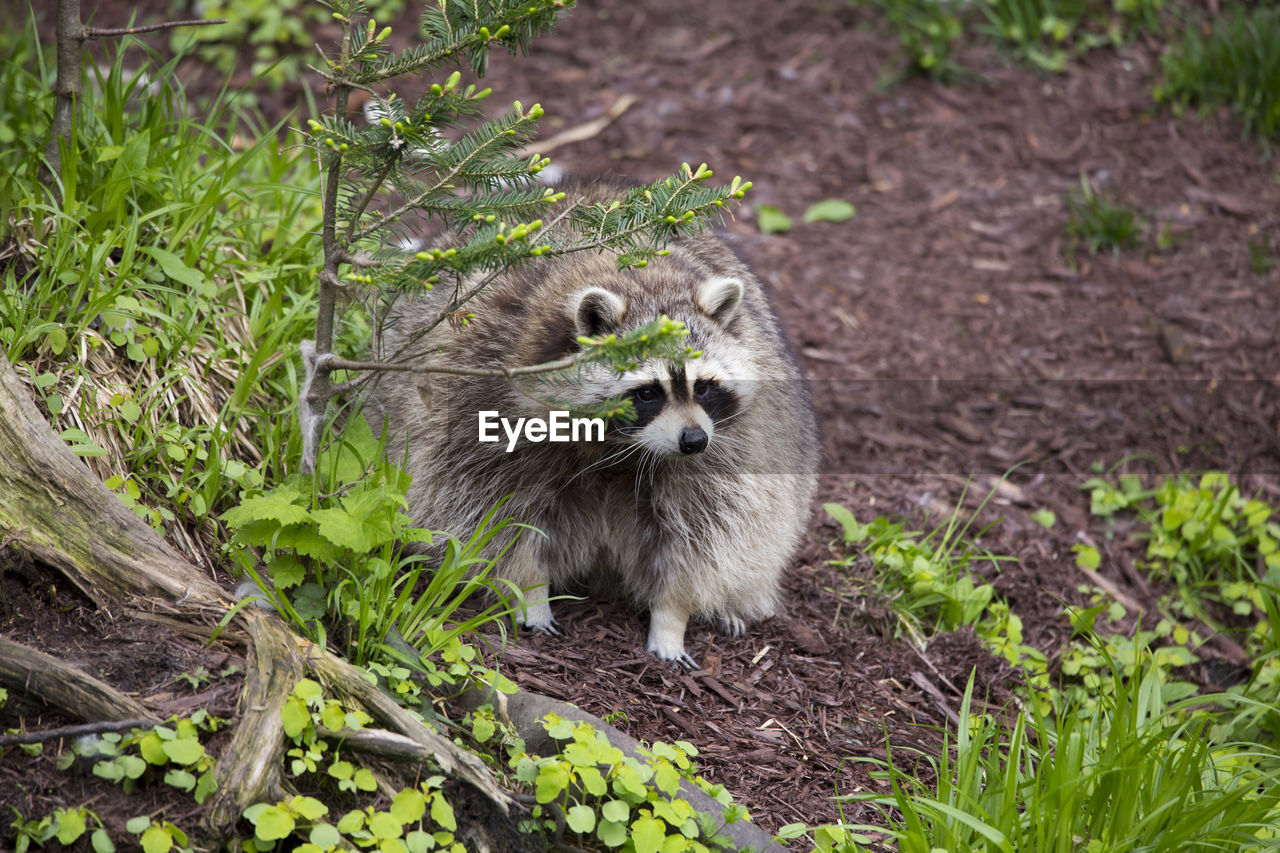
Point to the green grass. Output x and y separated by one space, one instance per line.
1139 776
1100 223
1234 61
155 285
1045 34
1040 32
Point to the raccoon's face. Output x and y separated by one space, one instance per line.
681 412
681 409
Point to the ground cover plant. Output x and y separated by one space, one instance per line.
138 299
952 268
1119 751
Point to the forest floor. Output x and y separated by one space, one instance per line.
948 336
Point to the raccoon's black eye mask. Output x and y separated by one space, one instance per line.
717 401
648 401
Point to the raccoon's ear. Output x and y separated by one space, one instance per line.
720 297
596 311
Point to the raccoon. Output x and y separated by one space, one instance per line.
693 509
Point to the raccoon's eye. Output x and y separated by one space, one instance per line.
648 393
702 387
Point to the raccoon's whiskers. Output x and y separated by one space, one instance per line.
610 460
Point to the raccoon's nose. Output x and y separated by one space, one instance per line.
692 440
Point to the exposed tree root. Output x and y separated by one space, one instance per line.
64 686
248 771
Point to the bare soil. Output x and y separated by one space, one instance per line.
947 334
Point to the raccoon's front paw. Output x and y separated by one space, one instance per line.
666 635
678 658
734 626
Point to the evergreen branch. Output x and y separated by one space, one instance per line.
443 182
332 362
658 338
456 33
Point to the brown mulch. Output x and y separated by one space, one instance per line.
947 335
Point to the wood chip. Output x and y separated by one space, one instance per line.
720 690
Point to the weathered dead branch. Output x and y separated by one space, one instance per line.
65 687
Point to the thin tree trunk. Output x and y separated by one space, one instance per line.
71 37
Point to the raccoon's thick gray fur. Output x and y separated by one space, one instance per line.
695 509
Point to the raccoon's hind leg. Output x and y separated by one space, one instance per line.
524 569
733 625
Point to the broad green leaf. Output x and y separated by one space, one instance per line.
616 810
830 210
176 269
558 727
152 749
419 841
184 751
1045 518
332 717
287 571
309 601
772 220
442 812
132 765
278 505
666 777
365 780
581 819
612 833
339 527
1087 556
592 782
308 808
180 779
295 716
647 833
553 778
308 689
70 823
409 805
325 836
156 840
273 823
102 842
384 826
482 728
